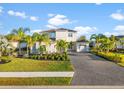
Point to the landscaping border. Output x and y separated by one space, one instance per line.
36 74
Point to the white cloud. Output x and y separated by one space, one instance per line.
120 29
22 15
118 15
51 26
11 12
51 15
34 18
1 9
84 30
58 20
37 30
111 33
16 13
98 3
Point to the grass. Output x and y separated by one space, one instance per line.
35 81
21 64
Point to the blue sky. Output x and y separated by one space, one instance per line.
85 18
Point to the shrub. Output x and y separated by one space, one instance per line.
5 60
39 57
54 56
116 57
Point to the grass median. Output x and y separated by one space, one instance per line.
37 81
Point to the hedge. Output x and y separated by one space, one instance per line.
54 56
116 57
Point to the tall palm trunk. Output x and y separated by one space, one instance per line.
27 50
19 48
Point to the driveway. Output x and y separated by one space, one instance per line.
93 70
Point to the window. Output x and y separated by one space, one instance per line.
70 35
52 34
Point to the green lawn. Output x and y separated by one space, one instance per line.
21 64
35 81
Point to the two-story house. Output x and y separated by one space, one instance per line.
57 34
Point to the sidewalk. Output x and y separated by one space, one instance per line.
36 74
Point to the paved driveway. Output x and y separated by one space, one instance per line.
93 70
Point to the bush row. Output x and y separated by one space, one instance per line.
55 56
116 57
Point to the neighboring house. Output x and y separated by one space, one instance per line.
119 46
82 46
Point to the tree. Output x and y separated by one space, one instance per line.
114 41
106 45
5 46
30 40
122 42
19 35
82 38
98 40
61 46
42 38
42 49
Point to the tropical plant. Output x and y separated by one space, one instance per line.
42 49
42 38
5 46
30 40
61 46
98 39
114 41
19 35
82 38
106 45
122 42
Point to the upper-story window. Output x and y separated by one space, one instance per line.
70 34
52 34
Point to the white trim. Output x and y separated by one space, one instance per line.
36 74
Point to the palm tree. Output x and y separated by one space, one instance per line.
30 40
46 38
42 38
106 45
19 34
82 38
42 49
122 42
61 46
98 39
114 41
36 36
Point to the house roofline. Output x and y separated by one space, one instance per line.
54 30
